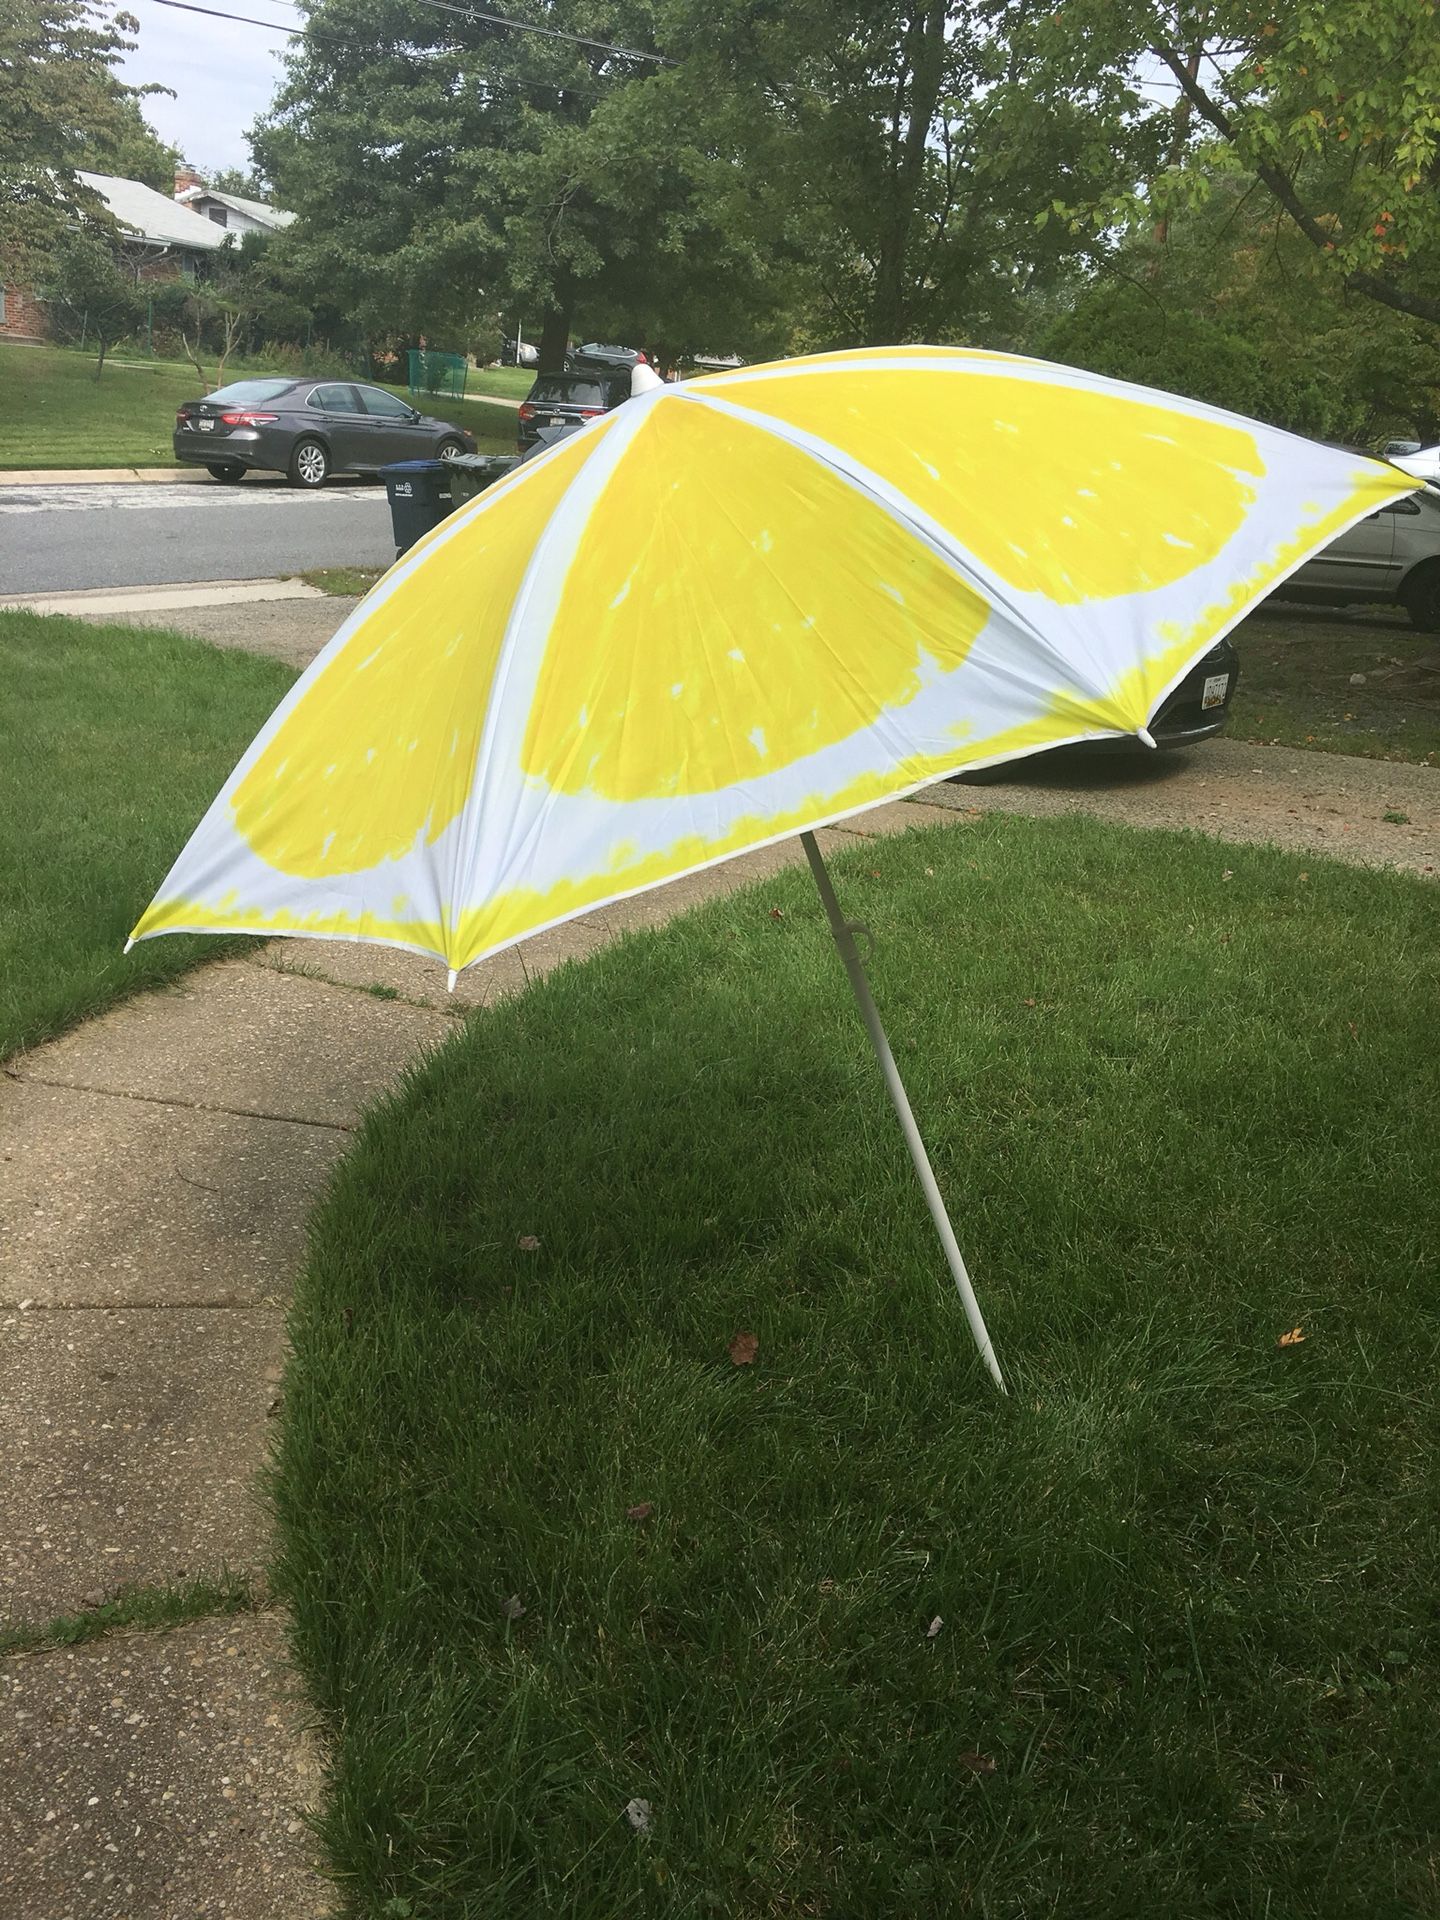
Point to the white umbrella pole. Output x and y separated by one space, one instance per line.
845 941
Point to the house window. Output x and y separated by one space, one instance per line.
219 216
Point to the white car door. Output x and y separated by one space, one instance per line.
1360 565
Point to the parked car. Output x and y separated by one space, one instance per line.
1197 709
1200 705
1392 556
594 354
1423 462
558 397
518 353
308 429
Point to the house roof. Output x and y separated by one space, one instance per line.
257 210
155 216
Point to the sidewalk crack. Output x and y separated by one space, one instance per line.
187 1106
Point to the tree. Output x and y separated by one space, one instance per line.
124 143
431 160
1223 308
805 174
1330 109
64 111
96 286
244 181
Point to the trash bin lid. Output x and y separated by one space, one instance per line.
413 466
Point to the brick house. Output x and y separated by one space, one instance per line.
165 239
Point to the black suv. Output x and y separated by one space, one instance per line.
558 398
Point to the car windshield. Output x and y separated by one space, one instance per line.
247 393
569 392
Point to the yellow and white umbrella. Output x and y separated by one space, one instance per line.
738 609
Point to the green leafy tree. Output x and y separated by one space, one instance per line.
1329 109
432 160
125 144
1223 308
806 174
244 181
64 111
94 290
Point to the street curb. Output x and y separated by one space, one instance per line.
94 476
172 598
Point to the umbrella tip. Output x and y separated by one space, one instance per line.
1147 738
450 983
129 943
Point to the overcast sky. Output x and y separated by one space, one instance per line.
224 75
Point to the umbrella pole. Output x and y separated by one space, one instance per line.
845 940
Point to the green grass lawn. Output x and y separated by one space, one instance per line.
113 741
1295 686
503 383
1151 1637
54 414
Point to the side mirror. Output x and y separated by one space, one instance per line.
415 414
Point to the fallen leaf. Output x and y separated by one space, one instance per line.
1027 1003
827 1585
1291 1339
874 873
743 1349
641 1512
776 914
1304 876
934 1627
977 1762
929 873
1227 874
638 1813
528 1243
513 1608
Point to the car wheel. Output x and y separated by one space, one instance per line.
230 472
449 449
309 464
1421 595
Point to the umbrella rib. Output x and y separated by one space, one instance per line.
897 506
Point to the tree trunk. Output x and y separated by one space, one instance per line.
100 363
555 340
924 53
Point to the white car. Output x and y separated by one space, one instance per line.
1423 462
1391 556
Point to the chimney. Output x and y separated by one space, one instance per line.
185 178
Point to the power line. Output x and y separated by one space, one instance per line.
327 34
473 14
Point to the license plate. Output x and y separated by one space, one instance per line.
1217 686
208 426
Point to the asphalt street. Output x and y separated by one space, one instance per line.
131 534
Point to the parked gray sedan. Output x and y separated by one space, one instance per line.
308 429
1393 555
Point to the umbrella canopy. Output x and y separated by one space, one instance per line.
741 607
738 609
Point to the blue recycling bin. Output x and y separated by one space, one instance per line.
419 496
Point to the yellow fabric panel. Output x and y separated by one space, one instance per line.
734 606
383 747
1073 494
